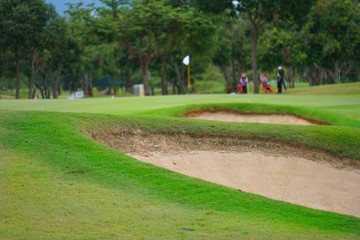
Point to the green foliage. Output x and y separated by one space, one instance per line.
279 46
212 74
215 7
318 40
21 23
264 12
332 32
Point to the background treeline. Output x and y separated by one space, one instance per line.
144 41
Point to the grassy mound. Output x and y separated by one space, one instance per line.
59 183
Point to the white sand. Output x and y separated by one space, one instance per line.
292 179
256 118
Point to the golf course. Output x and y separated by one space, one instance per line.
78 169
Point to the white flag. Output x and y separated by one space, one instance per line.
186 60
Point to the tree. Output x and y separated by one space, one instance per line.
172 23
47 58
81 27
136 35
166 24
210 7
7 70
21 25
280 46
115 61
232 55
259 12
332 34
154 29
57 52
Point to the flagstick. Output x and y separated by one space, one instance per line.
189 84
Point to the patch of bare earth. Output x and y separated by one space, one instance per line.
290 173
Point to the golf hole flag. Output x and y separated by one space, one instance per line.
186 60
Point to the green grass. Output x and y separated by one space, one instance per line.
119 197
345 88
317 115
57 183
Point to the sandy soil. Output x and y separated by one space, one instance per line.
290 173
292 179
227 116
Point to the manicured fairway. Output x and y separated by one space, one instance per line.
56 182
332 99
119 106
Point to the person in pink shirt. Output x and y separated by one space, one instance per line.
266 85
243 82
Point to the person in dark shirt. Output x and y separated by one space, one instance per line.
281 81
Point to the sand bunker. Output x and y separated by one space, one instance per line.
291 179
292 174
228 116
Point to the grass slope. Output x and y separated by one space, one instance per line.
72 187
321 115
57 183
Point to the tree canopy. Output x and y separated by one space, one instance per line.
144 41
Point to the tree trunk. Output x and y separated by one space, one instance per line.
31 79
81 79
345 68
86 83
55 87
55 79
17 63
58 81
59 86
146 75
336 72
50 76
113 89
41 90
254 42
311 73
228 83
301 72
47 89
291 74
164 85
233 74
179 78
321 74
174 87
90 85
